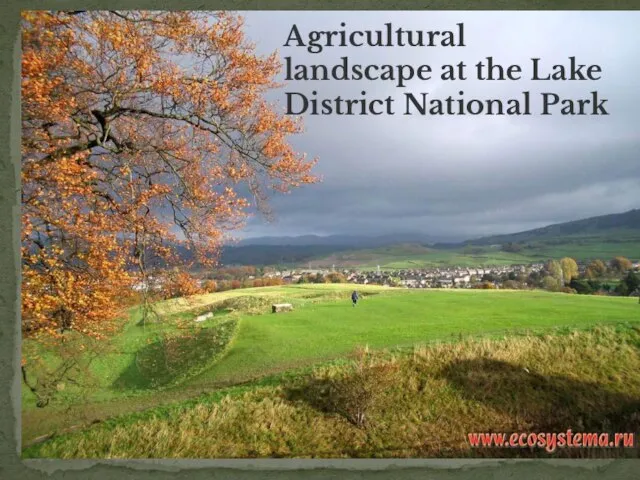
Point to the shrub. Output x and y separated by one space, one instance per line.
582 286
357 394
568 290
621 264
485 286
551 283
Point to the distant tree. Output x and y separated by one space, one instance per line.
489 277
394 281
568 290
551 283
581 286
569 269
534 279
209 286
596 269
511 247
629 284
336 277
554 270
180 284
318 278
595 284
511 285
621 264
485 286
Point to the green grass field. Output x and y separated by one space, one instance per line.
580 247
244 343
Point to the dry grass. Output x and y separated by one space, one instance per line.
425 404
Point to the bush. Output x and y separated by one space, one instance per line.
583 287
550 283
356 395
356 392
621 264
568 290
336 277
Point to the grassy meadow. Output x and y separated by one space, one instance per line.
580 247
258 379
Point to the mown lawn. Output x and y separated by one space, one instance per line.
272 343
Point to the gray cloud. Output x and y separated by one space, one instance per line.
464 175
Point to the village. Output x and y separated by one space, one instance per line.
502 276
436 277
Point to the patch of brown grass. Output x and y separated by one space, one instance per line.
421 404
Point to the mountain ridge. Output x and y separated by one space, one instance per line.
629 220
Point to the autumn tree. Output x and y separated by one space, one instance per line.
209 286
621 264
177 283
141 132
569 269
596 269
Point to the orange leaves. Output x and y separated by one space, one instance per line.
139 129
180 284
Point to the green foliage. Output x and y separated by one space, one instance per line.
512 247
629 284
551 283
553 268
511 285
583 287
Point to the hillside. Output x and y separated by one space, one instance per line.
340 241
603 237
601 226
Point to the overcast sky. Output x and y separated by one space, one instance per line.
463 176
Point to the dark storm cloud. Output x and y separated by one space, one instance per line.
464 176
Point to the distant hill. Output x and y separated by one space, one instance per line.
275 254
306 248
596 237
342 241
601 225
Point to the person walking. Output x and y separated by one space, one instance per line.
354 298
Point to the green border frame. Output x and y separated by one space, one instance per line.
12 466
